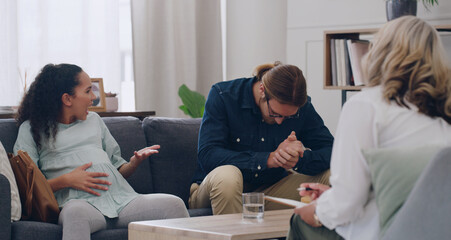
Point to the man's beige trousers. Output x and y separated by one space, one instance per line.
222 188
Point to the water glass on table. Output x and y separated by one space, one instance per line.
253 205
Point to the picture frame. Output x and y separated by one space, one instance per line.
97 88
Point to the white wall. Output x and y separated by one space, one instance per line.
306 22
256 34
260 31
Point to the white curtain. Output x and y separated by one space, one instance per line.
175 42
9 78
34 33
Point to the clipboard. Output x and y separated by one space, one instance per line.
286 202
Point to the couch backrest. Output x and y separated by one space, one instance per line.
425 213
129 135
8 133
172 169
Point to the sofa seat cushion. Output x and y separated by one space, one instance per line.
35 230
111 234
200 212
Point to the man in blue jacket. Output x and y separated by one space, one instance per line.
259 134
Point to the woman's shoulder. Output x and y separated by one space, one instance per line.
368 94
25 125
368 98
94 117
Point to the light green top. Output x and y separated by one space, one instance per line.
76 144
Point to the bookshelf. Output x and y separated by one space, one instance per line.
354 34
340 34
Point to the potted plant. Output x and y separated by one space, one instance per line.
111 102
398 8
193 102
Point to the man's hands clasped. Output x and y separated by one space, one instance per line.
287 153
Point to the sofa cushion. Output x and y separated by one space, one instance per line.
129 135
111 234
8 133
5 208
394 172
196 212
35 230
174 166
5 169
425 214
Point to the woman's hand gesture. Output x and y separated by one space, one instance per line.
139 156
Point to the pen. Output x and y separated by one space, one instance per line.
304 189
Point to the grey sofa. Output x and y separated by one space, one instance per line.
170 171
426 212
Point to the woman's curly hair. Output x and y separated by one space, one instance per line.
407 59
42 104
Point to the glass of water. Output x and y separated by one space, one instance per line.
253 205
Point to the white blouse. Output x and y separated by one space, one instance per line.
369 121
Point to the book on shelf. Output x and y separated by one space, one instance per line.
348 71
446 40
285 201
333 62
339 55
357 49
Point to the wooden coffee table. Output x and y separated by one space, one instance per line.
275 224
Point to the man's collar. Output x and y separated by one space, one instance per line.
248 99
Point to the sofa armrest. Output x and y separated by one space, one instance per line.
5 208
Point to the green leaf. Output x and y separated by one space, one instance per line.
193 102
184 109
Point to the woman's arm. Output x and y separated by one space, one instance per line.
127 169
350 178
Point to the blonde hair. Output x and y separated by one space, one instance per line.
282 82
407 59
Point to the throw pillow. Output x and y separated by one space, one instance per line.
5 169
394 172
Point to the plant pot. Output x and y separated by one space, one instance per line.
398 8
112 104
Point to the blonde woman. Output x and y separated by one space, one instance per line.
407 104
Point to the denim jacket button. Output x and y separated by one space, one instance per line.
238 140
256 175
258 167
263 139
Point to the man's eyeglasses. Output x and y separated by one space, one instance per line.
275 115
